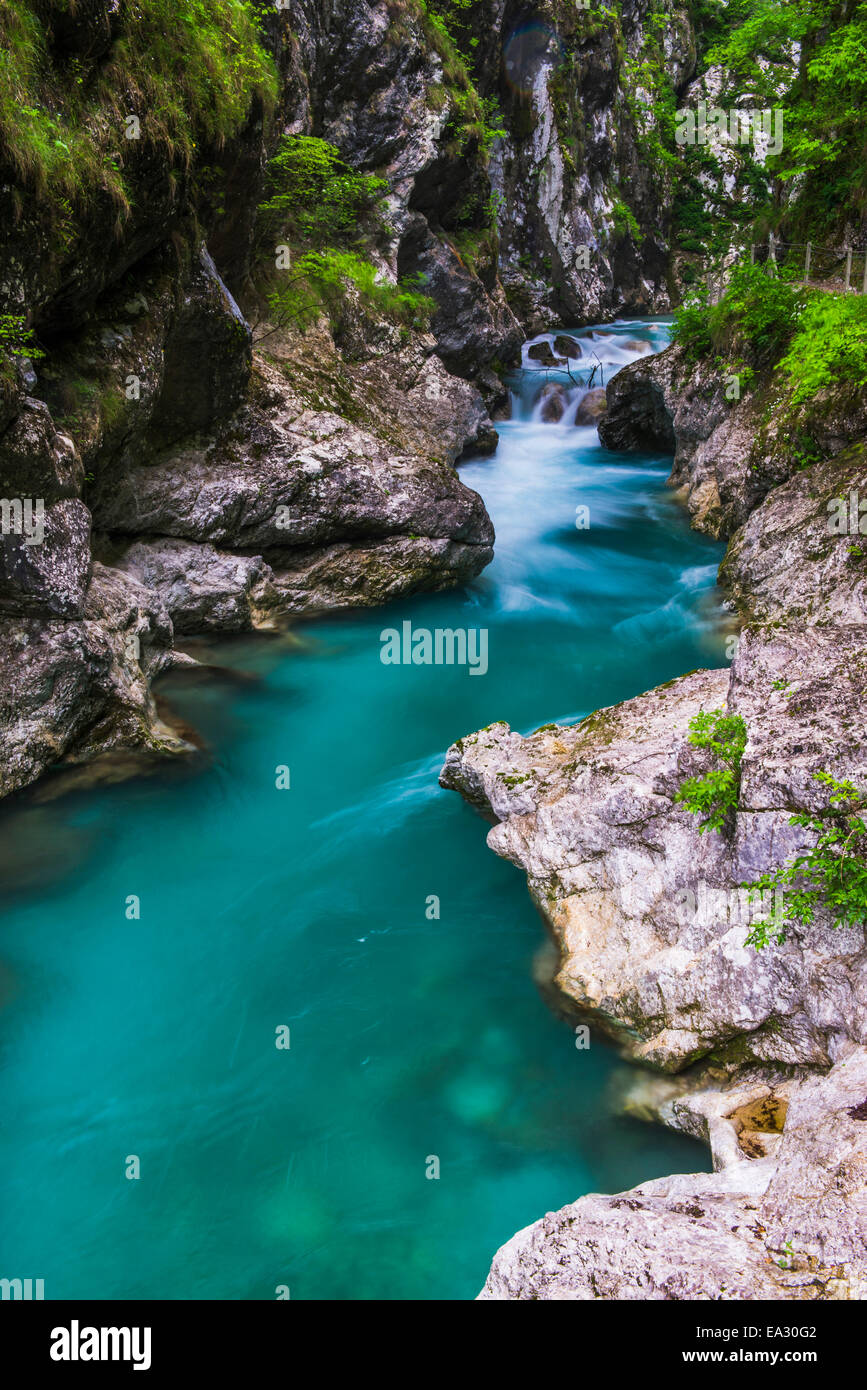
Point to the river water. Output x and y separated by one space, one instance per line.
410 1037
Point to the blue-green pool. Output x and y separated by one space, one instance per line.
306 908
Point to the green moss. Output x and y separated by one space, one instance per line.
189 70
513 779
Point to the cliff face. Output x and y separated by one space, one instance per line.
198 474
584 194
189 479
764 1052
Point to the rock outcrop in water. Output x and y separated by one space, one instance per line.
728 453
764 1054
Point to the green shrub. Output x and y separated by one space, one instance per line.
16 340
756 318
832 874
715 795
319 283
691 328
759 312
313 196
830 346
330 215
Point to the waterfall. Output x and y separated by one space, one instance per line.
559 367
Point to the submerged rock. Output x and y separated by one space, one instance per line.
567 346
552 399
591 407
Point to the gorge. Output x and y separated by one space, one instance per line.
349 351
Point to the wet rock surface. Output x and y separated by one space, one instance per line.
730 450
72 689
764 1054
786 1227
237 484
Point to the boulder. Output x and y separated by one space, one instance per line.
567 346
552 399
591 407
47 570
541 352
70 690
268 481
36 459
203 589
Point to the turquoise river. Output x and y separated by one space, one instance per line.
261 909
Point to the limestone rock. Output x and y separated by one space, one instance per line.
552 399
788 1226
203 589
802 554
728 453
50 573
648 914
567 346
207 357
73 689
36 460
277 481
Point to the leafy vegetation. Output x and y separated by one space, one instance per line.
833 874
16 340
806 339
830 345
188 69
328 215
320 283
757 317
715 795
312 196
824 116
